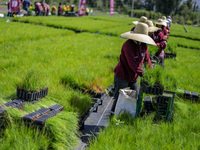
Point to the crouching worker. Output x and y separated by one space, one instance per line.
157 35
133 53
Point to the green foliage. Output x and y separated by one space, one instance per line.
180 134
63 130
149 14
189 22
159 76
152 50
171 47
33 81
81 103
88 60
20 136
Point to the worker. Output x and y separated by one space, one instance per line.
170 20
60 9
167 27
26 4
162 24
38 8
87 10
9 10
142 19
133 53
53 10
156 34
45 9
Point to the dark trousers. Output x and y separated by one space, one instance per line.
120 84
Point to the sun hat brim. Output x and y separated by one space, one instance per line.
153 29
138 37
135 22
161 23
166 21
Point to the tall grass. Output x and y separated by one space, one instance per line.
87 61
143 133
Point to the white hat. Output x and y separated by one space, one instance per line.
142 19
140 34
152 28
161 22
165 19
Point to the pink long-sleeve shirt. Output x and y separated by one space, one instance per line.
131 59
160 40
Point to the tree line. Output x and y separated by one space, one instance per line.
182 11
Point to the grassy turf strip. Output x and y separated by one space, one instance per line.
88 60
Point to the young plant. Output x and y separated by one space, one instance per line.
33 81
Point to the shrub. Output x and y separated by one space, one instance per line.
189 22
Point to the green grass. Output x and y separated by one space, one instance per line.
178 31
14 32
66 61
182 42
143 133
105 25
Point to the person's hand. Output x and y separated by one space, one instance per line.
158 44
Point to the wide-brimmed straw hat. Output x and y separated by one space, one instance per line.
152 28
142 19
165 19
140 34
161 22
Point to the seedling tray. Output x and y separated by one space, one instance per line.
148 104
154 90
41 120
170 55
31 96
195 96
39 117
34 115
94 108
187 95
165 104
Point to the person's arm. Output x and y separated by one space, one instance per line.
165 33
162 43
147 58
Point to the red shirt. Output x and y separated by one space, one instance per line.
45 7
168 28
60 9
131 59
160 40
38 6
164 30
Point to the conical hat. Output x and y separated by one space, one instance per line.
142 19
165 19
161 22
152 28
140 34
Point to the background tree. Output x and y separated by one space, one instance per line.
167 6
150 4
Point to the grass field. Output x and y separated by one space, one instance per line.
64 60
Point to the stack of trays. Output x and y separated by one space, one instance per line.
148 104
39 117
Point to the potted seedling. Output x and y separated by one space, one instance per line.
152 81
32 86
170 50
